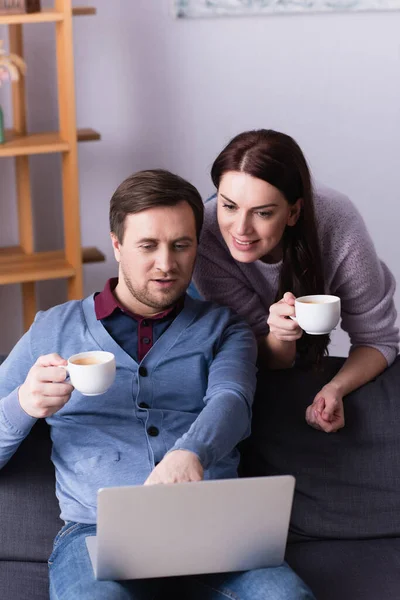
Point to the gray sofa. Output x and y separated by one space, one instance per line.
345 530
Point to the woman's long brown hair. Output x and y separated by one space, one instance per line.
277 159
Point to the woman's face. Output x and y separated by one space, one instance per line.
252 216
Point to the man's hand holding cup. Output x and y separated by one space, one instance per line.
45 391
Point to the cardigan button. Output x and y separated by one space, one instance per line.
153 431
142 371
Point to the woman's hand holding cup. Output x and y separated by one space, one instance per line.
280 324
44 391
317 315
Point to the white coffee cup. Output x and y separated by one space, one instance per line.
317 314
91 373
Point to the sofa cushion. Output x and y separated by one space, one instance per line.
24 580
29 511
349 570
347 483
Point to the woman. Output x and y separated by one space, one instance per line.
268 238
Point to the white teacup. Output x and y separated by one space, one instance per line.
92 373
317 314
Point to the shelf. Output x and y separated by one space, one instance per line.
45 16
92 255
82 11
22 268
33 143
18 267
41 143
89 255
88 135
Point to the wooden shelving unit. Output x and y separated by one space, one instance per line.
18 267
19 144
41 143
50 15
21 264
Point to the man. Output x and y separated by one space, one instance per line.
180 403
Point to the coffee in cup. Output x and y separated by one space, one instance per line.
317 314
86 361
92 373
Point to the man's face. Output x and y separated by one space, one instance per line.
156 257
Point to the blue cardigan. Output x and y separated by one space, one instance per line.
199 384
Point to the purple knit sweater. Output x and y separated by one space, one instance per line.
352 271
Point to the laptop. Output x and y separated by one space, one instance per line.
191 528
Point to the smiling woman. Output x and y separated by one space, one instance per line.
269 237
262 231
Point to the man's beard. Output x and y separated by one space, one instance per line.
148 299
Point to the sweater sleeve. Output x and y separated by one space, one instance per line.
226 417
366 288
219 279
15 423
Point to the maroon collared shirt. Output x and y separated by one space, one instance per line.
135 333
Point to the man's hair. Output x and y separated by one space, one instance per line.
149 189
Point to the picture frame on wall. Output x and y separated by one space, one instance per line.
220 8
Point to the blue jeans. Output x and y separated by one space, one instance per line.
71 578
